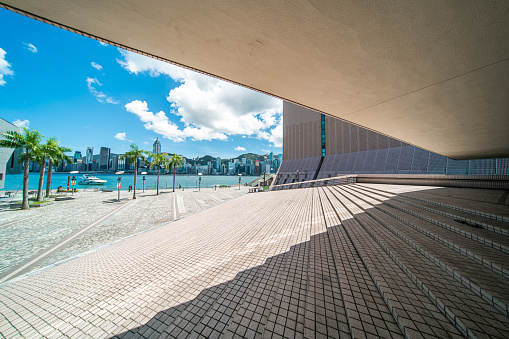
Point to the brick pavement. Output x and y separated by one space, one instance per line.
314 262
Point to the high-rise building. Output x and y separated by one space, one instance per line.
104 159
156 148
218 164
77 155
89 158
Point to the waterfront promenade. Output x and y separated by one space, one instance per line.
357 260
65 229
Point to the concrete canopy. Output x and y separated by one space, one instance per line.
431 73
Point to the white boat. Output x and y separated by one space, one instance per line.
91 180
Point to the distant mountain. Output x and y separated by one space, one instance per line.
203 160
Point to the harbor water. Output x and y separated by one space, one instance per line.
14 182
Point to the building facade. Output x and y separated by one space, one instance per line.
8 156
318 146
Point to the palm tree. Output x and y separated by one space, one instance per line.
29 140
158 160
39 155
174 162
133 155
55 158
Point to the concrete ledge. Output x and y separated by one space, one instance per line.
64 198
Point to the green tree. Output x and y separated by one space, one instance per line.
30 142
133 155
55 158
40 155
158 160
174 162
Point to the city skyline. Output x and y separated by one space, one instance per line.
99 95
106 161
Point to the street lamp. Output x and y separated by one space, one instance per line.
199 181
240 175
119 186
73 183
71 172
143 180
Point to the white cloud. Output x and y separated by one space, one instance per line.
30 47
100 96
146 143
223 109
240 148
103 43
159 123
265 150
120 136
5 67
21 123
96 66
276 135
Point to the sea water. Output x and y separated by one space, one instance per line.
14 182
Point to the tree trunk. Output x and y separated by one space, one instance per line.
41 179
135 174
48 181
25 205
158 169
174 170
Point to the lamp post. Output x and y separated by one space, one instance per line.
143 180
240 175
73 183
119 186
199 181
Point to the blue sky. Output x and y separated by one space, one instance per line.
86 93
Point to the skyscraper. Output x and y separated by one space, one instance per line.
104 159
89 156
156 148
77 155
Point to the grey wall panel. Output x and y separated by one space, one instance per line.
437 164
405 159
503 166
361 160
391 165
420 162
381 158
457 167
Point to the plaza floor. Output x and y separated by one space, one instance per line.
358 260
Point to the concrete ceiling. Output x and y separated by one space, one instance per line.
431 73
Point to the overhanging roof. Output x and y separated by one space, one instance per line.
433 74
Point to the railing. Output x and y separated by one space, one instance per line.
340 180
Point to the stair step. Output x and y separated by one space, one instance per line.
458 299
481 280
